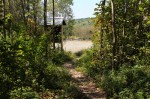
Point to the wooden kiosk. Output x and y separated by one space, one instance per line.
57 30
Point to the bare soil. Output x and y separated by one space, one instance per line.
77 45
85 84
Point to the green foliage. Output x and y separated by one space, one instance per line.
55 77
83 28
24 93
11 63
131 35
85 63
27 58
83 21
25 69
68 29
128 82
61 57
121 48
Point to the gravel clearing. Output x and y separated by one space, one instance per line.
77 45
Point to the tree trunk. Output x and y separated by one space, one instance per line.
23 12
113 35
123 33
4 11
45 15
53 24
45 26
102 31
35 16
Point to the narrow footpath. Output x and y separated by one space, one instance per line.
84 83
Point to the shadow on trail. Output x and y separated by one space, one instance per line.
85 85
80 53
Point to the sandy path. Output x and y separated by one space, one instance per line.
76 45
85 84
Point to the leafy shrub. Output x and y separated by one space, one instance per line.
24 93
55 77
12 70
88 65
61 57
128 82
24 63
86 57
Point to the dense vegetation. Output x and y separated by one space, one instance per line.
83 28
119 62
120 59
29 65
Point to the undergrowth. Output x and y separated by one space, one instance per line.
61 57
128 82
26 73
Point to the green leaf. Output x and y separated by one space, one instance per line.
148 22
141 8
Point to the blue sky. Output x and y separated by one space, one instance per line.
84 8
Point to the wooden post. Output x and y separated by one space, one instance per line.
61 37
63 24
45 15
53 25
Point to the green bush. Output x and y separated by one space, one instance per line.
128 83
61 57
88 65
55 77
23 93
24 63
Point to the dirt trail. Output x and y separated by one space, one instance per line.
85 84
